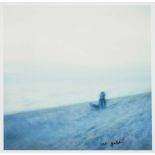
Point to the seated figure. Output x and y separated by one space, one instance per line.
102 100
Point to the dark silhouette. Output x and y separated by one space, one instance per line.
101 103
102 100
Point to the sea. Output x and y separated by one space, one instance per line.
30 86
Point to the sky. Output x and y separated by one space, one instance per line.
65 54
85 35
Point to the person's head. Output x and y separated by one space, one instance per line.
102 94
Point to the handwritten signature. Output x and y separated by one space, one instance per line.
112 143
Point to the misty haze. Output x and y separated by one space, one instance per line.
58 59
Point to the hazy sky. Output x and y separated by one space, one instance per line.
67 42
81 35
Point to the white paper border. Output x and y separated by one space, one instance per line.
152 5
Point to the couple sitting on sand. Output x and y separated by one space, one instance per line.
101 103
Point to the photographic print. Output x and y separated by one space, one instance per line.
77 76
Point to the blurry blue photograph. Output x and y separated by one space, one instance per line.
77 77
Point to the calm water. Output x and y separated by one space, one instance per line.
32 87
